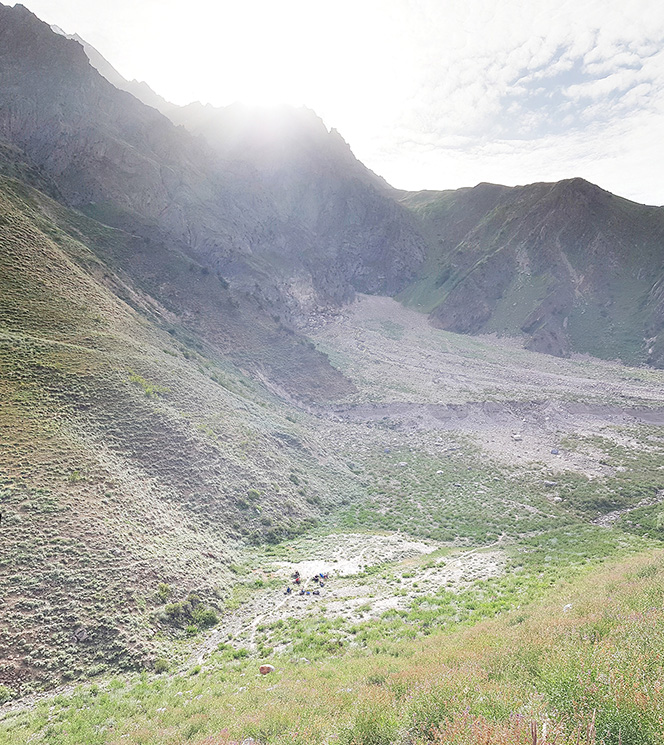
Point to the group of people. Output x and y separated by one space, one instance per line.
318 580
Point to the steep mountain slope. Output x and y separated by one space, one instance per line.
133 452
108 151
316 182
568 265
148 361
139 90
313 179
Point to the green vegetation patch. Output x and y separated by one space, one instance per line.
584 664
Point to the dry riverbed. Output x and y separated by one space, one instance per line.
408 568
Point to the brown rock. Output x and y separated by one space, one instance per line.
265 669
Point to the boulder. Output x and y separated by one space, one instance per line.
80 635
265 669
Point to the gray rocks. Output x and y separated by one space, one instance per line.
79 635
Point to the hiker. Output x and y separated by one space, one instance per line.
297 580
301 592
316 592
288 591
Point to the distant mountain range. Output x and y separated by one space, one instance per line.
283 212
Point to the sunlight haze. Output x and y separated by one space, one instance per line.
428 94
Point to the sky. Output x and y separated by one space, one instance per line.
430 94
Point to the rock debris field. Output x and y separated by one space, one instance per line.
408 568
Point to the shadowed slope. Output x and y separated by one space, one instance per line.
134 452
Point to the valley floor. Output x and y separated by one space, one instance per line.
582 665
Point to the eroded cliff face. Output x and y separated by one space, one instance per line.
260 201
569 266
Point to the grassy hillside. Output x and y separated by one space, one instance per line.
583 665
134 452
476 527
160 482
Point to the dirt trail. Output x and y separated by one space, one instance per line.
606 521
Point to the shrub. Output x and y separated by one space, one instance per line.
174 611
371 726
161 665
151 390
205 617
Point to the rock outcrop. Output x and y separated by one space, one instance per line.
265 198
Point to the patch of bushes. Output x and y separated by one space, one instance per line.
190 614
161 665
151 390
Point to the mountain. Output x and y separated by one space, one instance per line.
135 452
565 266
146 432
166 423
568 266
122 161
138 89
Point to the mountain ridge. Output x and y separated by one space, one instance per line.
557 252
220 208
310 178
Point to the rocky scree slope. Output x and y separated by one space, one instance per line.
569 266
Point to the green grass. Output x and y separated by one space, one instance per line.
617 330
635 473
455 496
140 460
587 654
135 437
